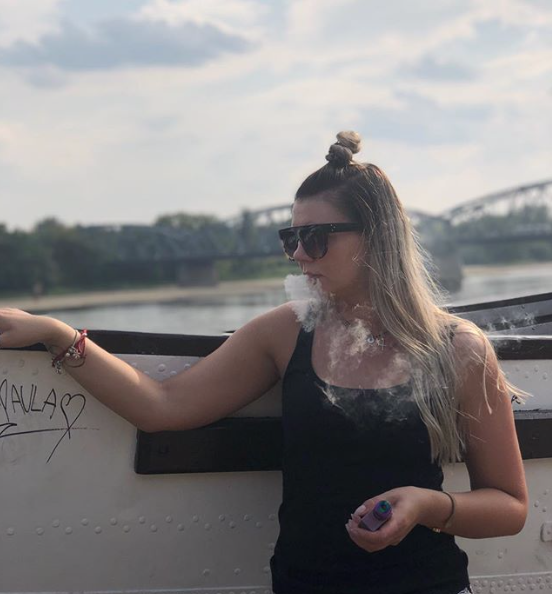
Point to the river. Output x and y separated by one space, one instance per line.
224 313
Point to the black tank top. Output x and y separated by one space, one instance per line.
335 457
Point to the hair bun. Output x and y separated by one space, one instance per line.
341 153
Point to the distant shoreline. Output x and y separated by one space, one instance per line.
161 294
174 293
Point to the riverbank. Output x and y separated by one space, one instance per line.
163 294
174 293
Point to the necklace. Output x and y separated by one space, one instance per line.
379 339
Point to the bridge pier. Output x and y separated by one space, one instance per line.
194 274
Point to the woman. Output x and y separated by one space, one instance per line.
381 387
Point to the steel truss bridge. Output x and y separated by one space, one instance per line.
518 214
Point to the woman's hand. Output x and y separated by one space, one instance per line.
19 329
408 504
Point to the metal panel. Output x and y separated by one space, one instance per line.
76 517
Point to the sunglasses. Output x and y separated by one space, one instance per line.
313 238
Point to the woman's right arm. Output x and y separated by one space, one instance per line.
237 373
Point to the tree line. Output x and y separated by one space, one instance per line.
54 257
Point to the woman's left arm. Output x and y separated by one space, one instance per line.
497 502
496 505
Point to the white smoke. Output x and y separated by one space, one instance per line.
347 344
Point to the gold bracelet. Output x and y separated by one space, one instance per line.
449 519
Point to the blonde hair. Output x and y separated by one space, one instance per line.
403 294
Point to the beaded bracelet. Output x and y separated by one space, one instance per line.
76 351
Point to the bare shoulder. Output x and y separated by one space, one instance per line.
470 344
278 329
479 373
277 321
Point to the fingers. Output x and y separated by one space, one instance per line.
388 535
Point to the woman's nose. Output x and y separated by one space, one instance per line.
299 255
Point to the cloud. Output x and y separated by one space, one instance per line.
28 20
421 121
241 17
429 68
120 43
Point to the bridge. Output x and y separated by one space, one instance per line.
520 214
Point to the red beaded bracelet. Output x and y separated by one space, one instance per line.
75 351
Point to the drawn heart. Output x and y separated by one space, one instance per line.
69 411
72 411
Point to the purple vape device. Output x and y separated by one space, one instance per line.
377 517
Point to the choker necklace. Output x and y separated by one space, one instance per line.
379 339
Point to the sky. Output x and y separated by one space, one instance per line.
118 111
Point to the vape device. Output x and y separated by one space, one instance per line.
377 517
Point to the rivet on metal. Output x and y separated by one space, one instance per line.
516 367
222 517
10 531
272 517
142 520
195 519
500 555
271 546
266 569
537 503
113 521
168 519
536 368
259 525
205 572
85 522
21 363
98 530
40 531
246 518
526 375
68 530
533 586
55 523
546 491
162 368
180 527
153 528
126 528
232 524
207 526
148 373
187 366
237 571
34 372
545 376
544 509
172 373
135 365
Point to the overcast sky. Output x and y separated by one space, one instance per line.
117 111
